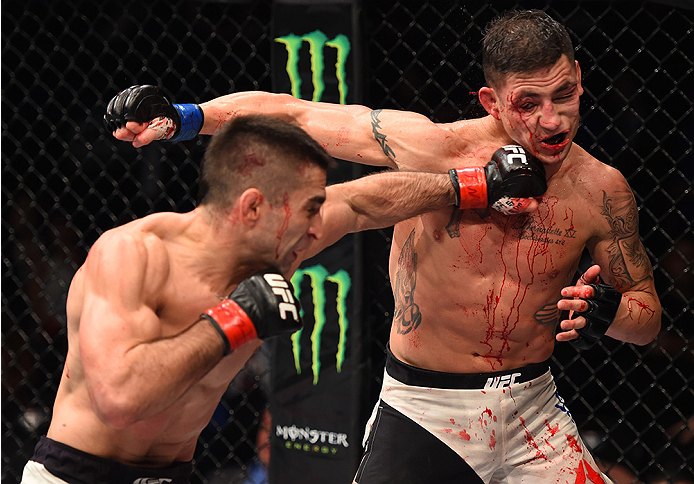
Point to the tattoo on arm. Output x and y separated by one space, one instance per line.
620 212
380 137
407 316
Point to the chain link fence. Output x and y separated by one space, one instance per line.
65 181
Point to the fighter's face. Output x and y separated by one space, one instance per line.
296 220
540 109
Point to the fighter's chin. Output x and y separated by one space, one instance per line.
552 154
554 149
290 260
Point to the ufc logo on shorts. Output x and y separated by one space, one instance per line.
281 288
501 381
515 154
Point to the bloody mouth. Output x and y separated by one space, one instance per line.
555 140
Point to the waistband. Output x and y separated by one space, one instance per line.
419 377
77 467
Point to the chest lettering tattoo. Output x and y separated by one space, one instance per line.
407 315
531 230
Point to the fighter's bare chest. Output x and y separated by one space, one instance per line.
548 241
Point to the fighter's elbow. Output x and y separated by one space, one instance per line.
113 407
652 333
649 332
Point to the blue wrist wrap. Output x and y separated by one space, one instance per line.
192 119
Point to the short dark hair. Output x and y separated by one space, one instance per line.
522 41
257 151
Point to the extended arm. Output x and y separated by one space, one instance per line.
622 263
380 200
396 139
386 198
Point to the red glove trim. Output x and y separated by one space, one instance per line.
472 184
232 323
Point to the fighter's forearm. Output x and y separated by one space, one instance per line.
345 131
384 199
152 376
638 318
378 201
222 109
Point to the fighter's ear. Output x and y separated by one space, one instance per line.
489 101
250 203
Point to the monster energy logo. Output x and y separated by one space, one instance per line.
317 40
319 276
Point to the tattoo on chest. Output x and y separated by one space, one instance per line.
407 316
540 232
453 226
380 137
620 212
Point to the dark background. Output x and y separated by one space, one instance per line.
65 181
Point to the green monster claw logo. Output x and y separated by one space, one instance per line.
317 40
319 276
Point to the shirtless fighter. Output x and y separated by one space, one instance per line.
153 339
467 394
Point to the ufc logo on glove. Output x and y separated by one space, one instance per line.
515 153
281 288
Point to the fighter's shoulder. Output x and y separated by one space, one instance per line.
593 175
464 139
134 248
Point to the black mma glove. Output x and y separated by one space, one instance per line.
142 104
599 315
260 307
511 174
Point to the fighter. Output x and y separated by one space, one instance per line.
479 295
168 308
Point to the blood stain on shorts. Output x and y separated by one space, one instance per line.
530 440
573 443
552 430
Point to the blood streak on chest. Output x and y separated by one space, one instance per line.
524 253
569 216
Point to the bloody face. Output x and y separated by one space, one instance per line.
296 219
540 109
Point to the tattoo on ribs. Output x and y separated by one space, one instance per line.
620 212
407 316
549 314
380 137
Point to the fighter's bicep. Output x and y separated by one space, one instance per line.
116 313
410 140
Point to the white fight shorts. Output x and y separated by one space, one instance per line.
507 427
